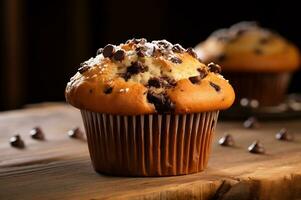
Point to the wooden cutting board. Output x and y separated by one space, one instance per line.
60 168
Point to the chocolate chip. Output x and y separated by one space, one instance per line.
108 51
136 68
75 133
256 147
240 32
226 140
157 52
37 133
195 79
258 51
221 57
168 82
119 55
154 82
202 72
284 135
214 68
176 60
164 44
251 122
108 90
99 51
83 69
161 101
140 51
17 142
191 52
215 86
178 48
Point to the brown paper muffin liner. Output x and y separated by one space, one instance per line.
149 145
269 89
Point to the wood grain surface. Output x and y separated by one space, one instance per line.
60 167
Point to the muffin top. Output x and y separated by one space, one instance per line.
141 77
248 47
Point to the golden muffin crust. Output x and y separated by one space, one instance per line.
247 47
141 77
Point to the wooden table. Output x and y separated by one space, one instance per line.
60 168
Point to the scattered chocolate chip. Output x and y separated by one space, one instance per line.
258 51
215 86
221 57
191 52
177 48
161 101
140 51
168 82
75 133
17 142
214 68
176 60
195 79
108 51
83 69
119 55
256 147
202 72
37 133
136 68
251 122
108 90
284 135
156 52
226 140
164 44
99 51
154 82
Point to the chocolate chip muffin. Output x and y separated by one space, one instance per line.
257 61
149 108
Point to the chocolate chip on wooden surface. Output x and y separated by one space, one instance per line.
215 86
168 82
99 51
119 55
108 51
256 147
17 142
214 68
161 101
75 133
251 122
191 52
177 48
37 133
284 135
195 79
176 60
226 140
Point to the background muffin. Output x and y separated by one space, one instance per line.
149 108
257 61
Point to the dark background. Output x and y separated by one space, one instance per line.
43 42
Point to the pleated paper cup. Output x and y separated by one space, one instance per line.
149 145
269 89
